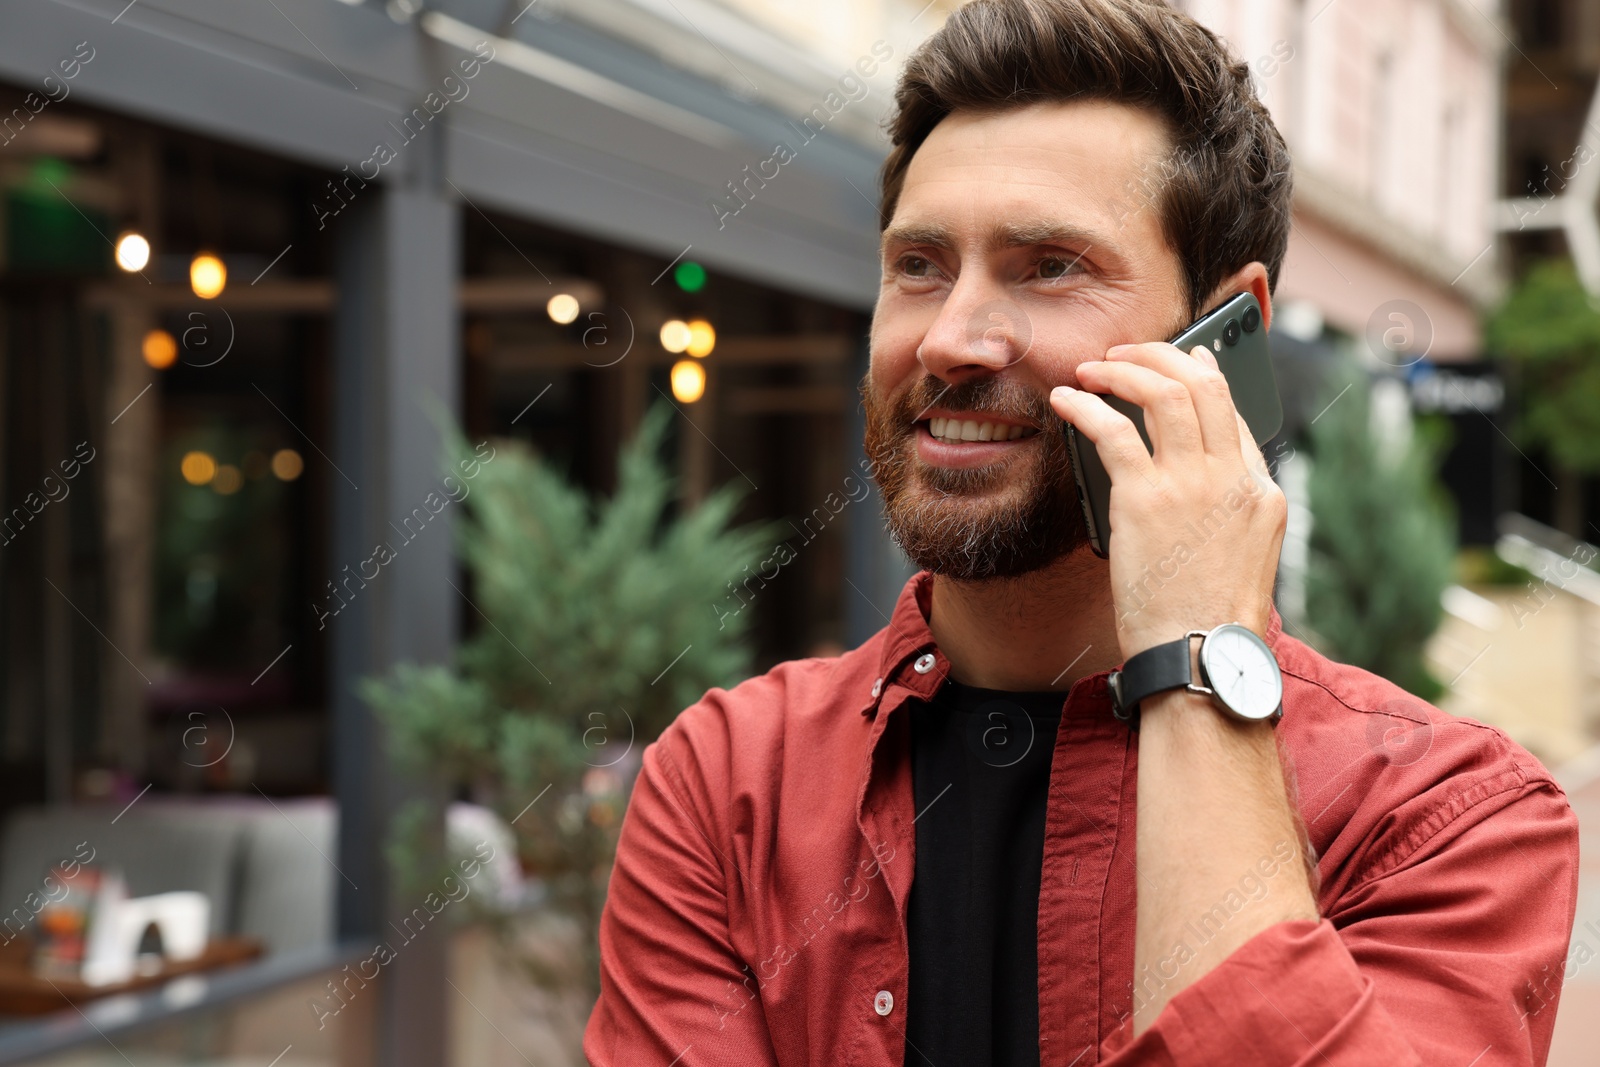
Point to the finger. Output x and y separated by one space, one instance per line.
1113 434
1169 415
1255 460
1208 389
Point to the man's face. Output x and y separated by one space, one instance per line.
1023 244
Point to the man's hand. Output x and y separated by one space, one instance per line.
1199 524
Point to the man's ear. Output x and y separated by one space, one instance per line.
1251 277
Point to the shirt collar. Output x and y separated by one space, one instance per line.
909 655
911 659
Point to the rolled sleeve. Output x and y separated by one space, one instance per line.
1454 954
1292 994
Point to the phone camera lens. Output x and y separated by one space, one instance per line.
1252 319
1230 332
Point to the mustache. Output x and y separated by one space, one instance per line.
935 515
999 396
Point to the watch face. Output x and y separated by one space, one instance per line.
1242 671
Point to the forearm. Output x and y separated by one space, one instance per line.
1215 826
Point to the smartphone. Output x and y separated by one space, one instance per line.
1235 335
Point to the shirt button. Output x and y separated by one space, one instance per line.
877 688
924 663
883 1003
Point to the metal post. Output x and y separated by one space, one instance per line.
397 358
129 447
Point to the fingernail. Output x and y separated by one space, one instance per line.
1062 390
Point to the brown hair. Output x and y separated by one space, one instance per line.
1223 191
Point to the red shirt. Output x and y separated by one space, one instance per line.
756 912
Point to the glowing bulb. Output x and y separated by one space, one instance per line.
159 349
133 251
688 381
198 468
675 335
207 276
702 338
287 464
227 480
562 308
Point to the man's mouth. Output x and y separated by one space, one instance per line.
958 430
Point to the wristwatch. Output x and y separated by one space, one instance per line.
1237 671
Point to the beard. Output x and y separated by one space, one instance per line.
974 524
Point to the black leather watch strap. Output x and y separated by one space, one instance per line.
1152 671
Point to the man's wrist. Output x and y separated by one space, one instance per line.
1132 644
1184 706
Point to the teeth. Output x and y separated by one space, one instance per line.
970 430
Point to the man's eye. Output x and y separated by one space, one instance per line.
1057 267
916 267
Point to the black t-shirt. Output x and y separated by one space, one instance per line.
981 771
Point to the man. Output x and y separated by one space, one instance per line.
956 845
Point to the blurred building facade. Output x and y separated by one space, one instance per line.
1391 111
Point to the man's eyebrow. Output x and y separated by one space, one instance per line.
1023 234
931 236
1004 235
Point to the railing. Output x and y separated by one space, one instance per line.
1553 556
1562 562
195 1013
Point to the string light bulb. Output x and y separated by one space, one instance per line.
159 348
702 339
133 251
688 381
207 276
675 335
562 308
287 464
198 468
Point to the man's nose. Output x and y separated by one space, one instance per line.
978 331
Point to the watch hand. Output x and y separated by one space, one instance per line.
1228 662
